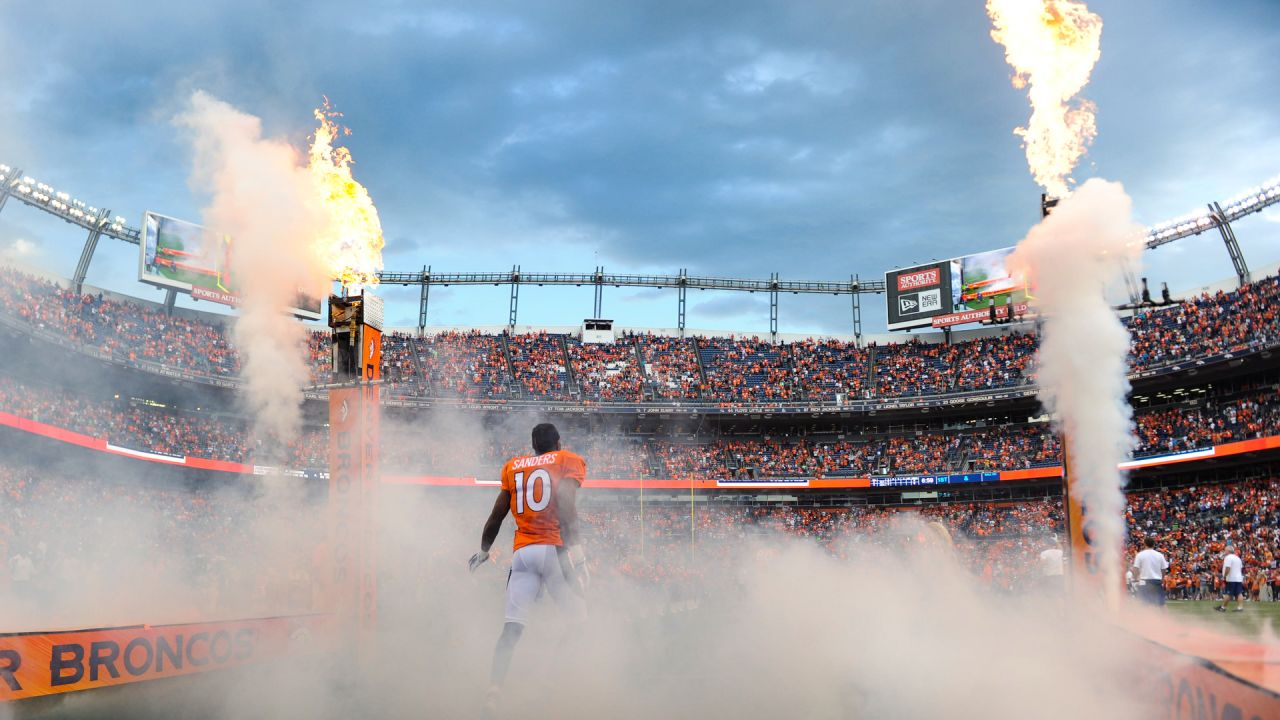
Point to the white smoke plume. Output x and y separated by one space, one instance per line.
771 625
21 250
1073 259
260 195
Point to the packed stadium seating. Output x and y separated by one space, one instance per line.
538 364
1179 428
464 365
826 369
219 436
43 512
999 542
1208 325
646 368
745 370
606 371
1195 524
127 331
670 368
86 534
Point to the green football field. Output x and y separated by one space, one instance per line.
1249 623
172 241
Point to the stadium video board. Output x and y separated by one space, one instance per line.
953 292
189 258
915 296
983 277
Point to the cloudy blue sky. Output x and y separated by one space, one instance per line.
815 139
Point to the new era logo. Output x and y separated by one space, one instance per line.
930 301
917 303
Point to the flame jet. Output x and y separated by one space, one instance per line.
349 242
1052 46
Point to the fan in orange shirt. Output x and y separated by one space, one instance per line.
540 491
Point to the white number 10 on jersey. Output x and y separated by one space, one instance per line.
538 491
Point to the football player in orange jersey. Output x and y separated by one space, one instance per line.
540 492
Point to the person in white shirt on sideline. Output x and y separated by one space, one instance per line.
1233 573
1051 567
1151 564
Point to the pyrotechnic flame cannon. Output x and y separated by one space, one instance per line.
355 323
1047 204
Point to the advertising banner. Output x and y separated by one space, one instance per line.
48 663
953 292
354 477
968 316
915 295
948 479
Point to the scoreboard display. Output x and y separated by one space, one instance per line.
189 258
916 295
954 292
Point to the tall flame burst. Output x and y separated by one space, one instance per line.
1052 46
350 241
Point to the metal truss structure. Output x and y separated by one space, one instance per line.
99 223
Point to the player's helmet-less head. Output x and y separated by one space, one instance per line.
545 438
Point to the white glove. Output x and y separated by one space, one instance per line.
578 573
477 560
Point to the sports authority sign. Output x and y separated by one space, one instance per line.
929 277
968 316
918 294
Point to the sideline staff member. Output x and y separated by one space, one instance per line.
1233 574
1150 564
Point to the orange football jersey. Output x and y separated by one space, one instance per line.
532 481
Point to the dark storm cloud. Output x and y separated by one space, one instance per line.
814 139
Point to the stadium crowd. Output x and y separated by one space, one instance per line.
1193 526
745 370
123 330
147 426
538 364
1207 325
1190 427
671 367
68 538
825 369
464 365
210 536
999 542
606 372
717 369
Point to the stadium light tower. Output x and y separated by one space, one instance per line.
355 324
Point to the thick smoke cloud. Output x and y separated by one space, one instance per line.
1075 260
260 195
769 626
774 626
